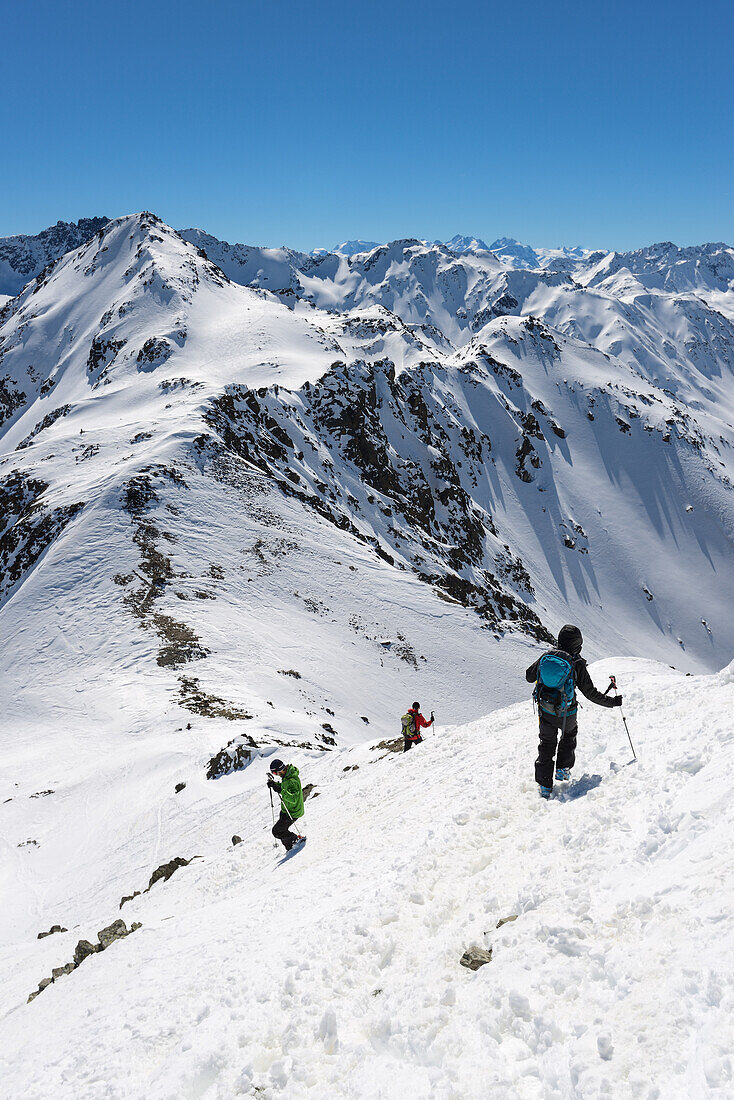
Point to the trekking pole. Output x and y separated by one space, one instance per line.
283 810
613 684
272 812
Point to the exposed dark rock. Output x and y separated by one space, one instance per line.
395 745
61 971
506 920
179 642
115 931
129 897
233 758
102 353
236 840
290 672
154 353
475 957
12 398
200 702
163 872
26 256
27 527
48 420
52 930
415 457
179 787
83 949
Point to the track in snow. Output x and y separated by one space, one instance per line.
340 974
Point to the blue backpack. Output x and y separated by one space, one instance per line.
554 687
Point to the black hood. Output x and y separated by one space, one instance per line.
570 639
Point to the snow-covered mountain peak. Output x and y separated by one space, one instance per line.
352 248
461 245
704 269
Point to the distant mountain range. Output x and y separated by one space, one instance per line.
22 257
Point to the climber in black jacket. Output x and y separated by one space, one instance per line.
553 717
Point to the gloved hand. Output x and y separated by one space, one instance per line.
617 701
273 786
432 718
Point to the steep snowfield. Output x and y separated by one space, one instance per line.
337 971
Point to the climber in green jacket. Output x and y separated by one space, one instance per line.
291 801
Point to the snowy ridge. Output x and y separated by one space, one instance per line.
22 257
607 912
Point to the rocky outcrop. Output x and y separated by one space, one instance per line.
475 957
178 642
28 527
52 931
165 871
192 696
232 758
408 470
84 948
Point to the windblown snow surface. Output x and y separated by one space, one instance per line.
336 972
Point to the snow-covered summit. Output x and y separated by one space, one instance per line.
460 245
666 267
352 248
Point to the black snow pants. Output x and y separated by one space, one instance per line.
550 727
280 830
410 741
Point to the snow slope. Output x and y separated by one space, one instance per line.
336 972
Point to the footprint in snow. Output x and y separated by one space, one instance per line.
578 788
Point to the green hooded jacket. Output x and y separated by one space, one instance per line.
291 795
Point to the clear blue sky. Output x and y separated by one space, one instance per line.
271 122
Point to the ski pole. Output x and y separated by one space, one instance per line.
613 684
272 807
